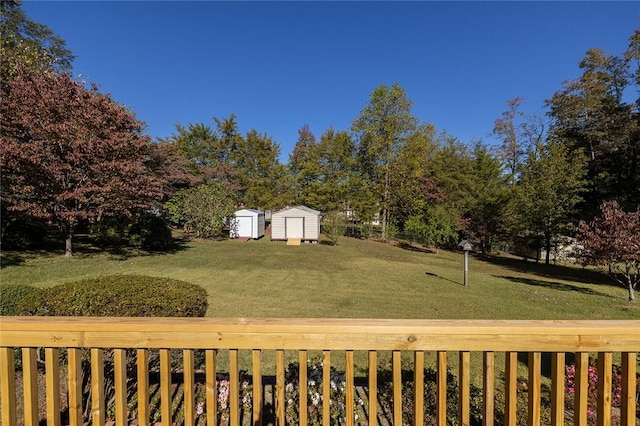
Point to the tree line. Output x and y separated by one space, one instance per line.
72 155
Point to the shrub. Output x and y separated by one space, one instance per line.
110 231
150 232
12 295
333 227
120 295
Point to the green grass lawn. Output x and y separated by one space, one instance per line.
357 278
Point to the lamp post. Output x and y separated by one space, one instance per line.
467 248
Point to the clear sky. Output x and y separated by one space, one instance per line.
280 65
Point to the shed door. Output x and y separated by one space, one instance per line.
294 227
245 224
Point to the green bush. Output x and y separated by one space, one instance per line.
150 232
12 295
119 295
110 231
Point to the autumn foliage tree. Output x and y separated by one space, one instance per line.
611 242
71 154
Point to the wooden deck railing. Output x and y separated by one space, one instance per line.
604 340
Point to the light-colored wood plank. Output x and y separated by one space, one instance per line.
350 388
464 374
120 383
7 386
629 386
488 388
211 387
30 387
98 403
535 368
257 387
373 387
234 388
441 385
605 364
324 334
557 388
511 388
280 400
581 388
189 387
396 365
142 374
326 388
52 368
74 356
418 384
302 385
166 414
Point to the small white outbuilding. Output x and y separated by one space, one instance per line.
247 223
298 222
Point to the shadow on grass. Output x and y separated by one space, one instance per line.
553 285
431 274
562 272
411 247
11 259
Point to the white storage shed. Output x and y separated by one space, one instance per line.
296 222
247 223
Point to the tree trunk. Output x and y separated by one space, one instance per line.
547 247
68 251
632 296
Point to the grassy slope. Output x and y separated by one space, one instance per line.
355 279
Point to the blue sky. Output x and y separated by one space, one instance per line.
280 65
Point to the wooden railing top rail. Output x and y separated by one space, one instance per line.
322 334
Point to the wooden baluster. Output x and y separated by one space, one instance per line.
511 389
165 387
489 384
418 385
8 390
557 388
441 401
120 384
30 387
326 388
581 388
397 387
535 367
373 387
211 387
234 388
605 361
257 387
142 366
52 368
304 391
98 409
189 387
280 400
464 403
628 391
349 379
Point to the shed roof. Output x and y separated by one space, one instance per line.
305 208
249 210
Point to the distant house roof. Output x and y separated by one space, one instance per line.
305 208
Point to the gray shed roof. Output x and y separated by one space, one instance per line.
305 208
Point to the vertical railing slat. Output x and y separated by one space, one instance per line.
165 386
211 387
280 400
396 363
535 368
418 384
257 387
349 394
189 387
304 391
511 389
605 365
581 388
373 387
488 387
74 356
557 388
326 388
441 386
120 384
234 388
52 368
98 409
8 386
464 403
30 387
142 375
628 391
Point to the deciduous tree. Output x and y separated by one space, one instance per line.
71 154
611 242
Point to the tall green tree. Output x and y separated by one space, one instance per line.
591 117
485 209
551 186
336 153
382 127
28 44
304 165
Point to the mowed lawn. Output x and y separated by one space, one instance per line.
357 278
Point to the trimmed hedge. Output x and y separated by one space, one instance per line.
12 295
119 296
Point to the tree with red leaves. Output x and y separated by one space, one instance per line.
71 154
611 242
